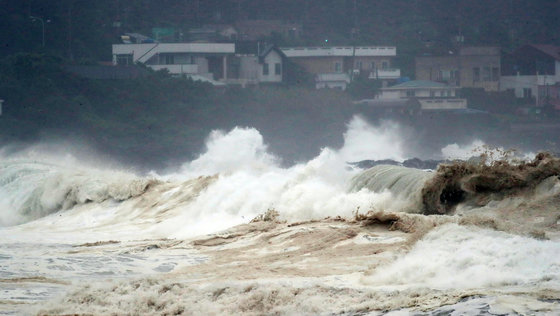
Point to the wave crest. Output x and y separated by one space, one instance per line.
458 182
30 189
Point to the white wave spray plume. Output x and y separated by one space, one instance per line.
247 181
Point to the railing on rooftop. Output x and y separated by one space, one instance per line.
389 73
339 51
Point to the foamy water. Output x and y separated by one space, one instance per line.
66 221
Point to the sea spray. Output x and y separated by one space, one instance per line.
326 250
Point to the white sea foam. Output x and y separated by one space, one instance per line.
233 181
464 152
458 257
478 147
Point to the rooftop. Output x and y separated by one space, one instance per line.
318 51
551 50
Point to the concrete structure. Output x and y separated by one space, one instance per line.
472 67
529 67
429 95
373 61
208 60
332 81
549 96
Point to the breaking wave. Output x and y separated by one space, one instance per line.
246 180
233 231
458 182
32 189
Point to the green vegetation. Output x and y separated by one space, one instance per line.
153 115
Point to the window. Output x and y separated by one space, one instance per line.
445 75
495 73
168 59
486 74
124 59
278 69
358 65
384 65
476 74
543 92
337 67
527 93
457 77
410 93
265 69
372 65
432 93
292 33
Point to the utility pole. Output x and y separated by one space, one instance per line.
69 36
33 19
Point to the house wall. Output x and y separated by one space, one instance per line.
250 70
202 63
529 61
183 59
317 65
271 60
418 93
331 85
390 94
442 104
429 67
549 95
366 63
520 83
461 69
249 67
143 52
485 63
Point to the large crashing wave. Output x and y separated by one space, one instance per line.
247 181
459 182
32 189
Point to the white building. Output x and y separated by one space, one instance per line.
200 60
429 94
529 67
261 65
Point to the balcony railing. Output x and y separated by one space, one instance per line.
347 51
390 73
330 77
442 104
177 69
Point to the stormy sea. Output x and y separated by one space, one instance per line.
358 230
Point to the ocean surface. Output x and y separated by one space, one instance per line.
236 232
